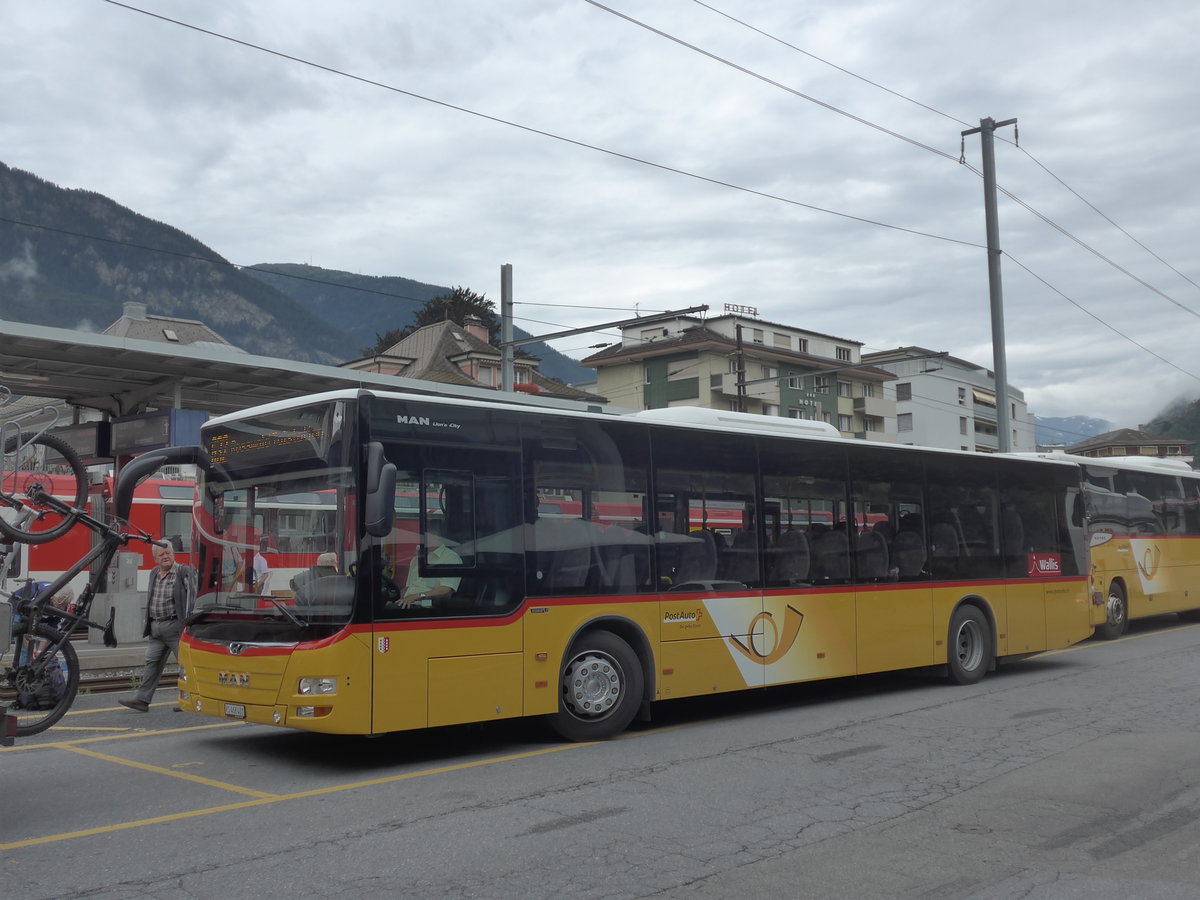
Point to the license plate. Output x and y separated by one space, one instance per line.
235 711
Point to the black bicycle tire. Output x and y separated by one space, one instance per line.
31 722
78 473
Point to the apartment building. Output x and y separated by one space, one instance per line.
944 401
739 362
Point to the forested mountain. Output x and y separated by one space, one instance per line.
1179 420
1065 431
71 258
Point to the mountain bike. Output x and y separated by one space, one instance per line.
40 674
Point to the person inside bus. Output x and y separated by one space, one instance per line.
325 566
262 568
422 590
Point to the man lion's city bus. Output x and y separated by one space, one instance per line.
483 560
1144 526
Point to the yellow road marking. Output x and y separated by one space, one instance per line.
266 799
124 734
263 799
159 770
140 823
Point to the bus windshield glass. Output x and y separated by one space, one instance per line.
274 528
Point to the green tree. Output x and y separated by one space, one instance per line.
455 306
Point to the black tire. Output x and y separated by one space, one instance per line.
24 467
600 688
1118 614
969 645
55 680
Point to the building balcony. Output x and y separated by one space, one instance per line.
875 436
727 383
875 407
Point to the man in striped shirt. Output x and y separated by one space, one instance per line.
172 590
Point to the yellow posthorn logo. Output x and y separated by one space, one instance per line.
1148 564
782 643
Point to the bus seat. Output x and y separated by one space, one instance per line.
1013 531
944 549
908 552
619 568
698 559
741 560
831 557
790 560
567 566
871 553
327 590
943 541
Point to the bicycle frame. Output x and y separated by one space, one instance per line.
41 645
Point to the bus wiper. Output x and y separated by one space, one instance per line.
296 620
200 614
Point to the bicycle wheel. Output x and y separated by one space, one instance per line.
38 686
24 466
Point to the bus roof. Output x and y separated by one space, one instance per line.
678 416
1161 465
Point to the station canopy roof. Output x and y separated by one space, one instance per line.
123 376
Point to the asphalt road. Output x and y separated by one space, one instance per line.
1071 775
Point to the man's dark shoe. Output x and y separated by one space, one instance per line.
136 705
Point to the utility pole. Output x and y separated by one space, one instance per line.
507 342
986 129
741 372
506 328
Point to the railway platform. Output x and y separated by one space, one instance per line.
114 665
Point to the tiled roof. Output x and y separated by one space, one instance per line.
699 336
164 329
434 349
1125 437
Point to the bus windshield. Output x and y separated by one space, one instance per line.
274 528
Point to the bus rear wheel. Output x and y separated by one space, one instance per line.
600 688
1118 614
969 645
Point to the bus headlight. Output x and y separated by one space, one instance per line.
317 686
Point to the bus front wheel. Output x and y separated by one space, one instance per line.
1118 614
970 645
600 688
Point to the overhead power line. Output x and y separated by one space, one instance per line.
833 65
618 154
1088 312
939 112
546 134
783 87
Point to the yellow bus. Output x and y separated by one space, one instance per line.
1144 537
484 559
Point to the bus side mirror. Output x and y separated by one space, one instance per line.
379 507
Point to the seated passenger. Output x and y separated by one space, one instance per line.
325 565
423 590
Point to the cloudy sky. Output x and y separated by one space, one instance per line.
798 157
